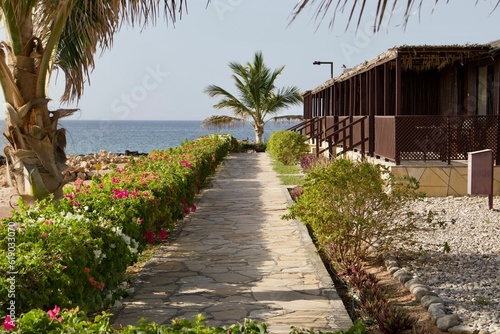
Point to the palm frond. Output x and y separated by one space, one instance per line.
92 25
286 119
258 96
323 8
222 122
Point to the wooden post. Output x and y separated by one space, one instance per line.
399 95
480 174
372 111
386 89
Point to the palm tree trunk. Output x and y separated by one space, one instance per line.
259 132
35 152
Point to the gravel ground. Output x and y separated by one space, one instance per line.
468 276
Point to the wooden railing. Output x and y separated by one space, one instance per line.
400 138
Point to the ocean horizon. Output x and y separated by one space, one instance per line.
92 136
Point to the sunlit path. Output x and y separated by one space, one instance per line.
236 258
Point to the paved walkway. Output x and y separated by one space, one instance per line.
235 258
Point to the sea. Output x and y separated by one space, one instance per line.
87 136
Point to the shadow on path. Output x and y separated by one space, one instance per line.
236 258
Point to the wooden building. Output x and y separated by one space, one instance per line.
411 103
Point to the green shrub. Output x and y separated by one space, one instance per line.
354 208
374 302
310 162
74 321
75 253
287 146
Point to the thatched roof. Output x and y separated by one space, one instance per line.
420 58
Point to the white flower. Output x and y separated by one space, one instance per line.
126 238
112 246
97 253
86 207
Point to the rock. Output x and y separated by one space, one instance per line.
435 314
81 176
447 321
401 271
392 270
403 278
462 329
412 282
417 286
84 164
436 306
419 292
427 300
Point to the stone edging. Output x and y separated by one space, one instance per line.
430 300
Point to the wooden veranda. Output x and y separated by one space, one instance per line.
410 103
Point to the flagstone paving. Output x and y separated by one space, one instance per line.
236 258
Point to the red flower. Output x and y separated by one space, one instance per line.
9 323
86 270
193 208
150 236
162 234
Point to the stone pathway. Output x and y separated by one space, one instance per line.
235 258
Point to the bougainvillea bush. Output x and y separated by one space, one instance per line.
74 253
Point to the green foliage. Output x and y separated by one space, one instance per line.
281 168
245 145
354 208
75 321
311 161
356 328
290 180
75 253
257 100
390 318
288 147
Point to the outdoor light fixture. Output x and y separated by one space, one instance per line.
325 62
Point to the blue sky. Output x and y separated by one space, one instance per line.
159 73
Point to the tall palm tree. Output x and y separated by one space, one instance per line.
43 36
258 98
323 7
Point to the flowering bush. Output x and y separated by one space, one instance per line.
74 253
75 321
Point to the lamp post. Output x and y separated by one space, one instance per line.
325 62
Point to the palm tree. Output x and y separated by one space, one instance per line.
43 36
258 98
383 6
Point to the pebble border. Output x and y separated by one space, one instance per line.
435 305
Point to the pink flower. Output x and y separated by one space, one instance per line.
193 208
86 270
49 222
44 235
9 324
53 314
150 236
162 234
140 220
